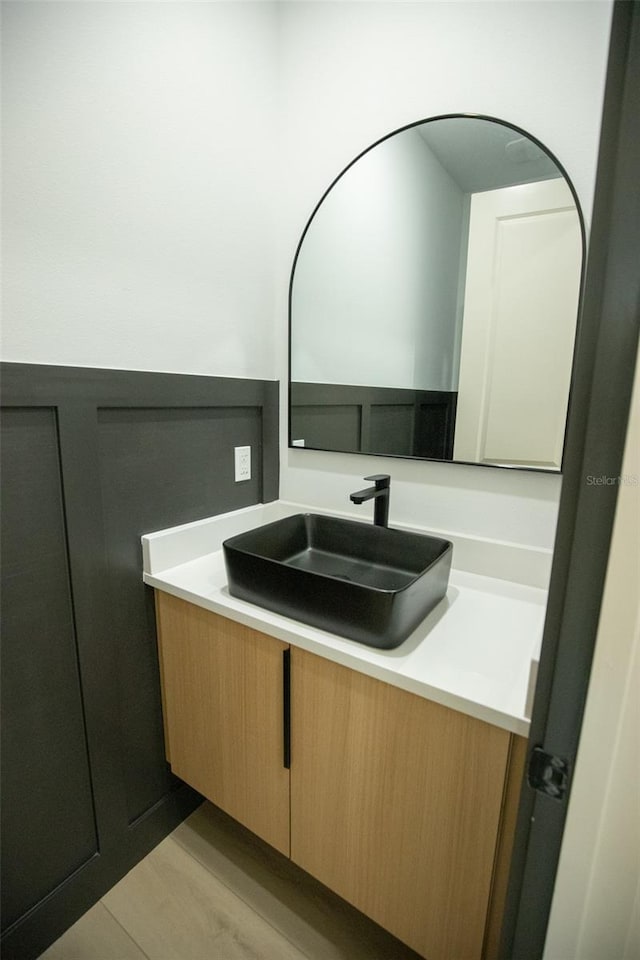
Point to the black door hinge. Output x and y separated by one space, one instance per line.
548 774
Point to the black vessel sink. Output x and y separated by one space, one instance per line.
370 584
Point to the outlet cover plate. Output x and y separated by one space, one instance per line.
242 463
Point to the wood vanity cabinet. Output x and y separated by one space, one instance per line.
396 805
222 690
403 807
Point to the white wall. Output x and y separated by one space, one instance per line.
139 162
596 906
147 224
376 281
352 72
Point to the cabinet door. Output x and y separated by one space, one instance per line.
395 805
223 708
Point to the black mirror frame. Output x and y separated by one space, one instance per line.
569 182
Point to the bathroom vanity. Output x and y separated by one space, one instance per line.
392 776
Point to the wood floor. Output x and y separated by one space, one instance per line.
213 891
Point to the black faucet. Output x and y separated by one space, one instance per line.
381 492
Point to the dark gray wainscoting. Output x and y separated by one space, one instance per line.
382 420
91 460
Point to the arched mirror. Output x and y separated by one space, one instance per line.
434 298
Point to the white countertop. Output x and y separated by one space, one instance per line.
473 653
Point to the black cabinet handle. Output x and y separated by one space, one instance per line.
286 708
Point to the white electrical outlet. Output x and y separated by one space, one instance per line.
243 463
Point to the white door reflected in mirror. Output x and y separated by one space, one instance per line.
518 331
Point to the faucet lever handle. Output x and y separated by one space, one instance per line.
381 480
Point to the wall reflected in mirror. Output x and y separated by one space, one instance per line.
434 299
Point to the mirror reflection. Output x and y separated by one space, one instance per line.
434 299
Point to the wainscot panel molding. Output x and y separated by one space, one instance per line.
92 459
393 421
